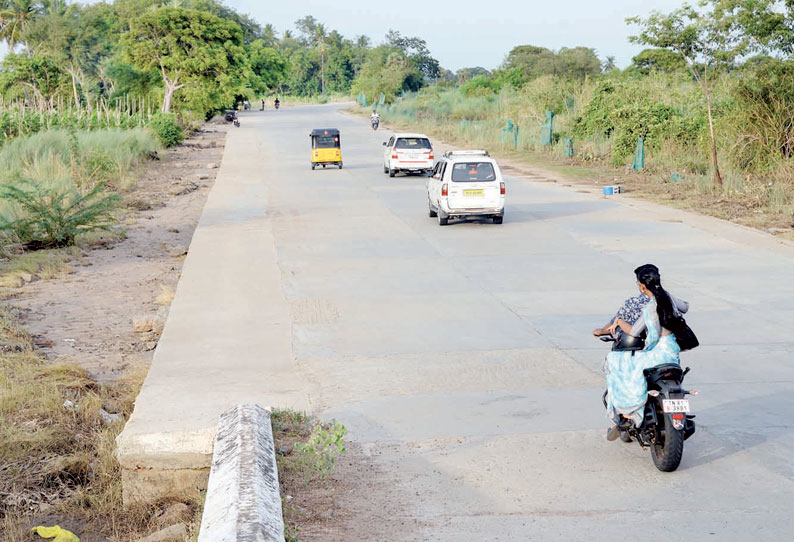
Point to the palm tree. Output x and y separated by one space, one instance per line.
14 17
319 39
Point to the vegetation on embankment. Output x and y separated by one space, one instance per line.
57 439
56 185
603 117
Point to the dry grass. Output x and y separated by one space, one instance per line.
57 462
43 264
166 295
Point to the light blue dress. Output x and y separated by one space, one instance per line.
627 390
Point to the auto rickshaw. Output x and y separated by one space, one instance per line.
326 149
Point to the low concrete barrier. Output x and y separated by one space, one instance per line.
243 501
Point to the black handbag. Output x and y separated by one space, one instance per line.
684 336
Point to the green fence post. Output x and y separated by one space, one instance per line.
381 99
567 147
639 155
547 130
515 137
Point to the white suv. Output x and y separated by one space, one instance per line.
409 153
466 183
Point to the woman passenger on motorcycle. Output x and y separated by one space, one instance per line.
626 387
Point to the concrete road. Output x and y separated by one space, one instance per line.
460 358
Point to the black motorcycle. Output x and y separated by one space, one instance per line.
231 116
667 422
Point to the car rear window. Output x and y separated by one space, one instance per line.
419 143
463 172
326 142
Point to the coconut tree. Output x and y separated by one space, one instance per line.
15 15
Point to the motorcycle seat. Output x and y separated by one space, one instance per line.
666 371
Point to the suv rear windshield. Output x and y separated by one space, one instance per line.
464 172
418 143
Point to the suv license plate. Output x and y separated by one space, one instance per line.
675 405
470 193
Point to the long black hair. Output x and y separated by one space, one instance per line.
649 276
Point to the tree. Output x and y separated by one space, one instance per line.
577 63
415 49
467 74
15 15
38 74
388 71
268 67
77 38
705 39
658 60
609 64
533 61
190 49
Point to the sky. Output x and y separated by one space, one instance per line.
462 33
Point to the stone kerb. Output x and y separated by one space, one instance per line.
243 501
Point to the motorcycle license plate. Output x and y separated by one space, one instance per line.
675 405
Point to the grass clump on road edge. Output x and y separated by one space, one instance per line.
306 453
57 454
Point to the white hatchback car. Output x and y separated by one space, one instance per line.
466 183
408 153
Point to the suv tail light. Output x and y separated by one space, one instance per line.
431 157
444 191
502 188
394 153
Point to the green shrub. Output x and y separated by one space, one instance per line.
167 130
48 215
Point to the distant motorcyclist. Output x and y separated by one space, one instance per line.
277 103
374 119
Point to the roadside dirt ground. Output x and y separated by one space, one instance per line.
87 317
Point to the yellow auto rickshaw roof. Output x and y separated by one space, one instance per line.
324 132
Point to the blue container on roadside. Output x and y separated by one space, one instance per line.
609 190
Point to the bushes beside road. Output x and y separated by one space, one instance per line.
55 185
605 116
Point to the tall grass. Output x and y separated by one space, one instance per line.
53 184
89 158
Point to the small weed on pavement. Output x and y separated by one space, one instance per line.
306 453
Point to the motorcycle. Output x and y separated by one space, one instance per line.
231 116
666 422
277 104
375 123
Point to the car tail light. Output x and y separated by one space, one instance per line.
502 188
444 191
431 157
394 154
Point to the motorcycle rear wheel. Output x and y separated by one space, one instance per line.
668 447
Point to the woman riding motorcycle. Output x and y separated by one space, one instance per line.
626 385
